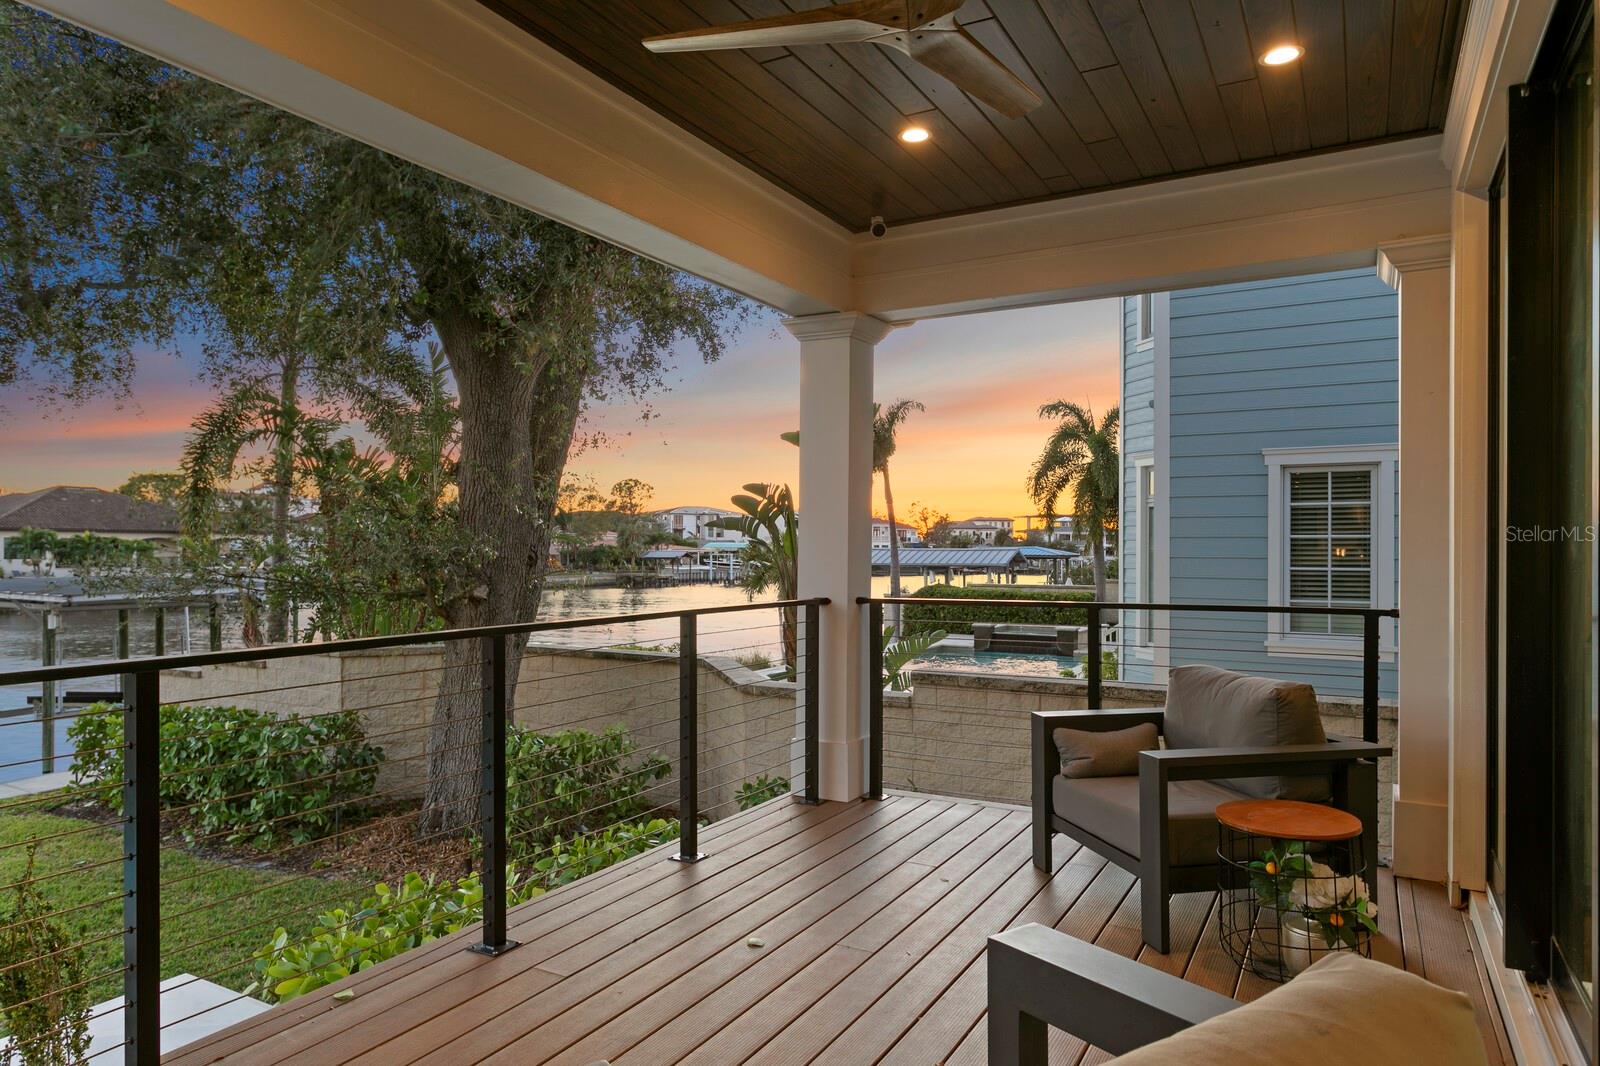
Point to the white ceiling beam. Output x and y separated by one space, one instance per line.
1322 212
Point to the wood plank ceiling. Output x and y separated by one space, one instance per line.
1133 91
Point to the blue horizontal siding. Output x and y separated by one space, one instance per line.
1297 362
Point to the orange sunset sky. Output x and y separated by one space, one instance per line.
982 378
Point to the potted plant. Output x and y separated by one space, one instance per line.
1318 909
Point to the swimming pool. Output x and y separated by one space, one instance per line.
996 662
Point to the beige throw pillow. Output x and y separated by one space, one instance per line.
1344 1011
1113 753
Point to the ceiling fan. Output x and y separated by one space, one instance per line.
925 30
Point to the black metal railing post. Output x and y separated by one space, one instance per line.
813 697
1092 665
141 866
48 691
688 742
875 686
1369 676
492 799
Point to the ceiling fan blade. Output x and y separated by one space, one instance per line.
956 54
862 20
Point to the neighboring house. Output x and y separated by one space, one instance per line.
983 530
1259 452
695 523
880 533
68 510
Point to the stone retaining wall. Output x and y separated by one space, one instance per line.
955 733
746 721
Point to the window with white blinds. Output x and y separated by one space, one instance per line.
1330 553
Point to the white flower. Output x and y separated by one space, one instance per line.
1323 889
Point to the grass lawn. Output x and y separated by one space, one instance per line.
214 915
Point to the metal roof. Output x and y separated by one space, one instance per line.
936 558
724 545
664 553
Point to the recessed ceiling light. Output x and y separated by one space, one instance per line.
1283 53
914 135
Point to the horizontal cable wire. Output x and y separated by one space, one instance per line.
311 684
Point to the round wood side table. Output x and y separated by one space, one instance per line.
1289 885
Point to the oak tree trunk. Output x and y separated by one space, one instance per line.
498 513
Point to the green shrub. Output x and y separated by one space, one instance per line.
1108 668
568 860
566 784
760 790
387 923
244 775
347 940
923 618
43 980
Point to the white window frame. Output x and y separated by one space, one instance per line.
1144 320
1142 647
1383 461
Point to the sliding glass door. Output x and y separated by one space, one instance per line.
1544 597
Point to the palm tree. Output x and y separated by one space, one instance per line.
255 413
772 556
1080 460
885 422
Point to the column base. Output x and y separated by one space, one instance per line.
843 768
1421 835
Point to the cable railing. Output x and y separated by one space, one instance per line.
269 851
961 743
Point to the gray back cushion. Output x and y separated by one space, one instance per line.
1212 708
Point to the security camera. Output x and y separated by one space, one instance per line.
879 227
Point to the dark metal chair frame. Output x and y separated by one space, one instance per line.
1039 978
1351 765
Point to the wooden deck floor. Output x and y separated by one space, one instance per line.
845 933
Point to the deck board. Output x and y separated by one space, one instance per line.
840 933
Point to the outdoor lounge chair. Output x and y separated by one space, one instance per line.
1344 1009
1229 736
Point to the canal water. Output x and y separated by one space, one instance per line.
87 636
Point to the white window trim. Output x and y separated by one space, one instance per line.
1384 460
1144 315
1139 648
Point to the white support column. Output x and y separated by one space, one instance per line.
1420 271
1469 540
835 506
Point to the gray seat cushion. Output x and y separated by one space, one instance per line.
1212 708
1108 807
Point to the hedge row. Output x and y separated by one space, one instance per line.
958 618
